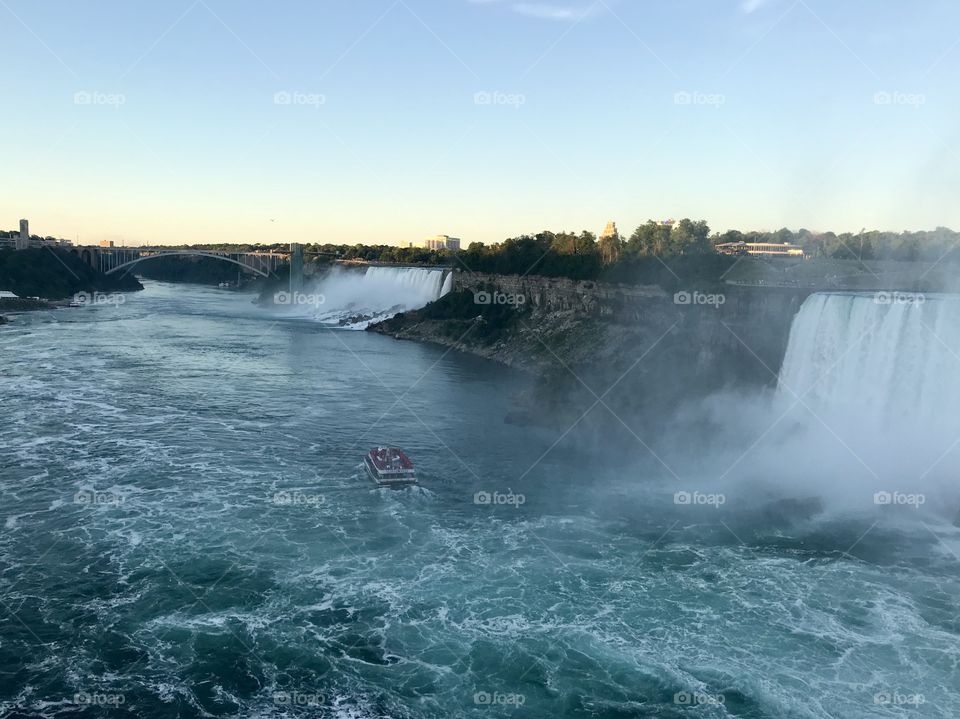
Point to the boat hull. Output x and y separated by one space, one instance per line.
399 479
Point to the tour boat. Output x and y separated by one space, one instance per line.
389 467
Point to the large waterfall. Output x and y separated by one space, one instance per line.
354 298
867 402
887 359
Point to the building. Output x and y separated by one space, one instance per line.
442 242
760 249
23 242
106 243
609 231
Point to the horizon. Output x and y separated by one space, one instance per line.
482 119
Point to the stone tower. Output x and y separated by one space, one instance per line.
610 230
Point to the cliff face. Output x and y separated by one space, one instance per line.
637 350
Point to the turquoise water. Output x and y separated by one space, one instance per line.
186 531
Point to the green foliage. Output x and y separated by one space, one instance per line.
54 273
461 310
671 273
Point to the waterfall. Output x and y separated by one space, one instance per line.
354 298
887 359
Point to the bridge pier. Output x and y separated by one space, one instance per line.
296 267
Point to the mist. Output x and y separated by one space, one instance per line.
355 298
863 420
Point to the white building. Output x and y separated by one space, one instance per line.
442 242
610 230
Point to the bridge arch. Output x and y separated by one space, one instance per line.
194 253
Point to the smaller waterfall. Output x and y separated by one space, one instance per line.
354 298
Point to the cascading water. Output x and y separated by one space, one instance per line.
868 394
355 298
889 358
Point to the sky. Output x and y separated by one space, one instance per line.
386 121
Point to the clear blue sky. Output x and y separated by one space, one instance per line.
747 113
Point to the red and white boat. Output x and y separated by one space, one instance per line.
389 467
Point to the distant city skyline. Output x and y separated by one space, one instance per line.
391 121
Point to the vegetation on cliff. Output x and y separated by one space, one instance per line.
53 273
458 313
198 270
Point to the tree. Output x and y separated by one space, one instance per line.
651 238
610 246
690 238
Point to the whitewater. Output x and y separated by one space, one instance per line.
187 532
353 298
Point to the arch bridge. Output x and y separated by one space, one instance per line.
110 260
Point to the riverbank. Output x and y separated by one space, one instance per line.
45 275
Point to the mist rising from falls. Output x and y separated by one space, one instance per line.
865 407
354 298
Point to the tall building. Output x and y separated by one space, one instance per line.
24 241
442 242
610 230
609 243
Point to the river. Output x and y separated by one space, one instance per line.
186 532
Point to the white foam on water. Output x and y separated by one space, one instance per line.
354 299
